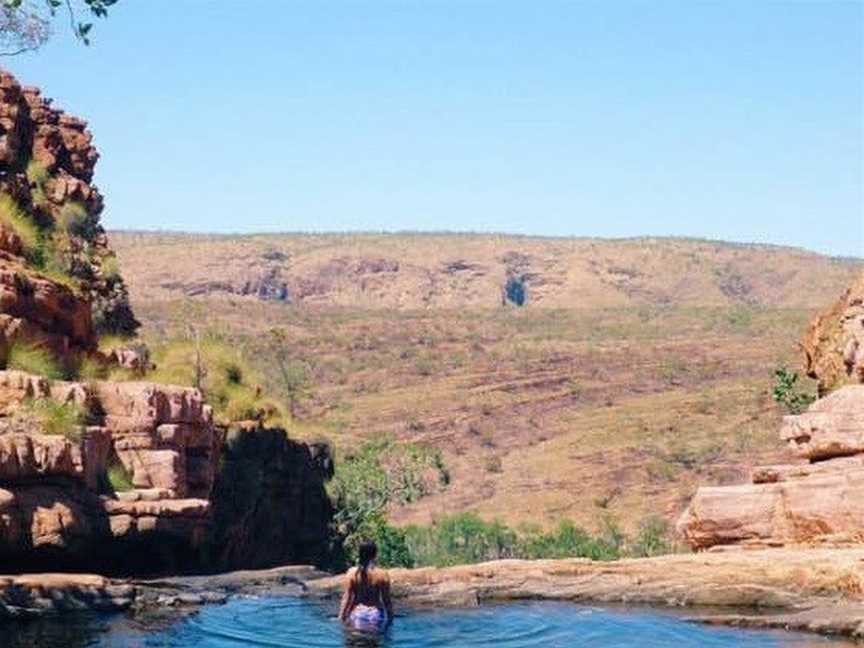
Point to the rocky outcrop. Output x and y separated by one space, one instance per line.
815 502
57 498
59 285
270 506
146 483
834 343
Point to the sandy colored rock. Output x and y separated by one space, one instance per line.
832 427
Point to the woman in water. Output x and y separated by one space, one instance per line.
366 603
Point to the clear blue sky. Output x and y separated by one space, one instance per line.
731 120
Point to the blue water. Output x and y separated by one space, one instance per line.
294 623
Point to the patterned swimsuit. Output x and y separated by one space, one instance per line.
367 617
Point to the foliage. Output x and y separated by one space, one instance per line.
465 538
786 392
57 418
379 473
12 216
34 359
515 291
392 542
462 539
119 478
91 369
25 26
214 364
652 539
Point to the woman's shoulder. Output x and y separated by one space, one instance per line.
381 575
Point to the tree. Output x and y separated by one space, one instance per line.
294 374
25 25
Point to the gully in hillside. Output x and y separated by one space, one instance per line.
366 603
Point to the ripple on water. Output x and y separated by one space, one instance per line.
293 623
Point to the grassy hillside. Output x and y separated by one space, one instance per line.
634 371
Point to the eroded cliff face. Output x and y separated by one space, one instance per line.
120 477
46 170
834 343
820 499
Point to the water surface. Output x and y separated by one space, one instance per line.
294 623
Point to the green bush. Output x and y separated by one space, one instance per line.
34 359
786 392
461 539
215 365
652 539
379 473
119 478
392 542
12 216
65 419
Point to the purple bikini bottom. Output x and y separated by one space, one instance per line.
366 617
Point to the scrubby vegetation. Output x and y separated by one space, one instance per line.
119 479
65 419
34 359
13 217
465 538
212 363
380 473
788 394
383 472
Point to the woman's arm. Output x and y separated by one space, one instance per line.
386 599
347 598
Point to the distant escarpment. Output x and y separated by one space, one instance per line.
114 476
441 271
819 499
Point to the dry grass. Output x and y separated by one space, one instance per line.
638 370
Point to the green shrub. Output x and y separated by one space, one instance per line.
379 473
119 478
392 542
461 539
91 369
786 392
12 216
55 418
652 539
35 360
220 370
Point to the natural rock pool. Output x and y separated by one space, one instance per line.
296 623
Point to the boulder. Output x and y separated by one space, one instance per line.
832 427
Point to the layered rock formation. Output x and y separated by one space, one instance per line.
817 501
57 503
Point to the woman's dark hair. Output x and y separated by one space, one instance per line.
367 553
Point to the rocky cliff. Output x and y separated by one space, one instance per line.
113 476
819 499
60 283
834 343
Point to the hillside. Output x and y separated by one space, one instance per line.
636 369
454 271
